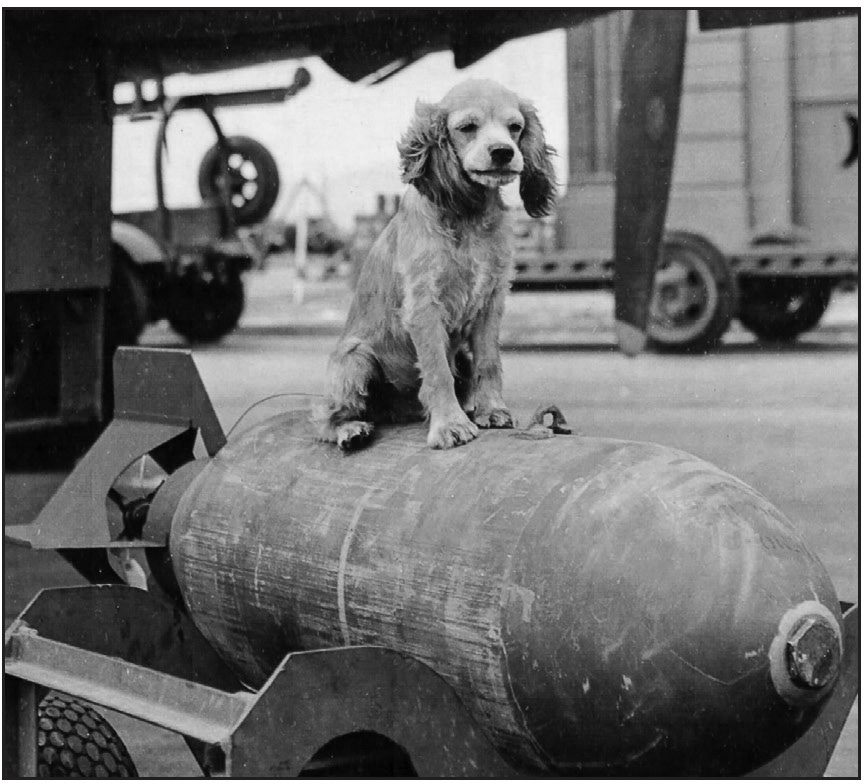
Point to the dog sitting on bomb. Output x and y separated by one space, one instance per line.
421 337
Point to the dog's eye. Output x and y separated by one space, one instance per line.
515 128
468 127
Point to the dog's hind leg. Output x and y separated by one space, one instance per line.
352 370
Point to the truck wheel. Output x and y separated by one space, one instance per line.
204 306
127 308
695 295
75 741
127 304
780 309
253 178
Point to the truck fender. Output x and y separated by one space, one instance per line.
784 234
141 247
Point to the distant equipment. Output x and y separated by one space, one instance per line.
185 264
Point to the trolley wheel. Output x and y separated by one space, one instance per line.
76 741
205 305
695 295
253 178
780 309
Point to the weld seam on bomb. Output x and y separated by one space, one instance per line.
343 564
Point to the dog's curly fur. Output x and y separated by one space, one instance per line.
422 332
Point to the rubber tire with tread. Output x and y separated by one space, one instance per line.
256 208
205 309
780 309
76 741
724 307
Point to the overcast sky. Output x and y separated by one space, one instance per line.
339 135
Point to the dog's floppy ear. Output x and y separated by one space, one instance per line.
430 163
537 185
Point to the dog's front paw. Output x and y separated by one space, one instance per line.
493 418
453 431
354 435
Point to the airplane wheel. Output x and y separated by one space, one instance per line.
253 178
777 309
76 741
695 295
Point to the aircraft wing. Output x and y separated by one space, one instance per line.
355 42
720 18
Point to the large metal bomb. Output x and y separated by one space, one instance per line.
600 606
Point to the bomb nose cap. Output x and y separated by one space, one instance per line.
806 654
813 653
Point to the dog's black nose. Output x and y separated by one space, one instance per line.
501 155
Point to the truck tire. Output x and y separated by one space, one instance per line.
780 309
127 304
127 307
253 178
75 741
695 295
205 306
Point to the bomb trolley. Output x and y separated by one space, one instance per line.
411 636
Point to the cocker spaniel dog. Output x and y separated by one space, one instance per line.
421 336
